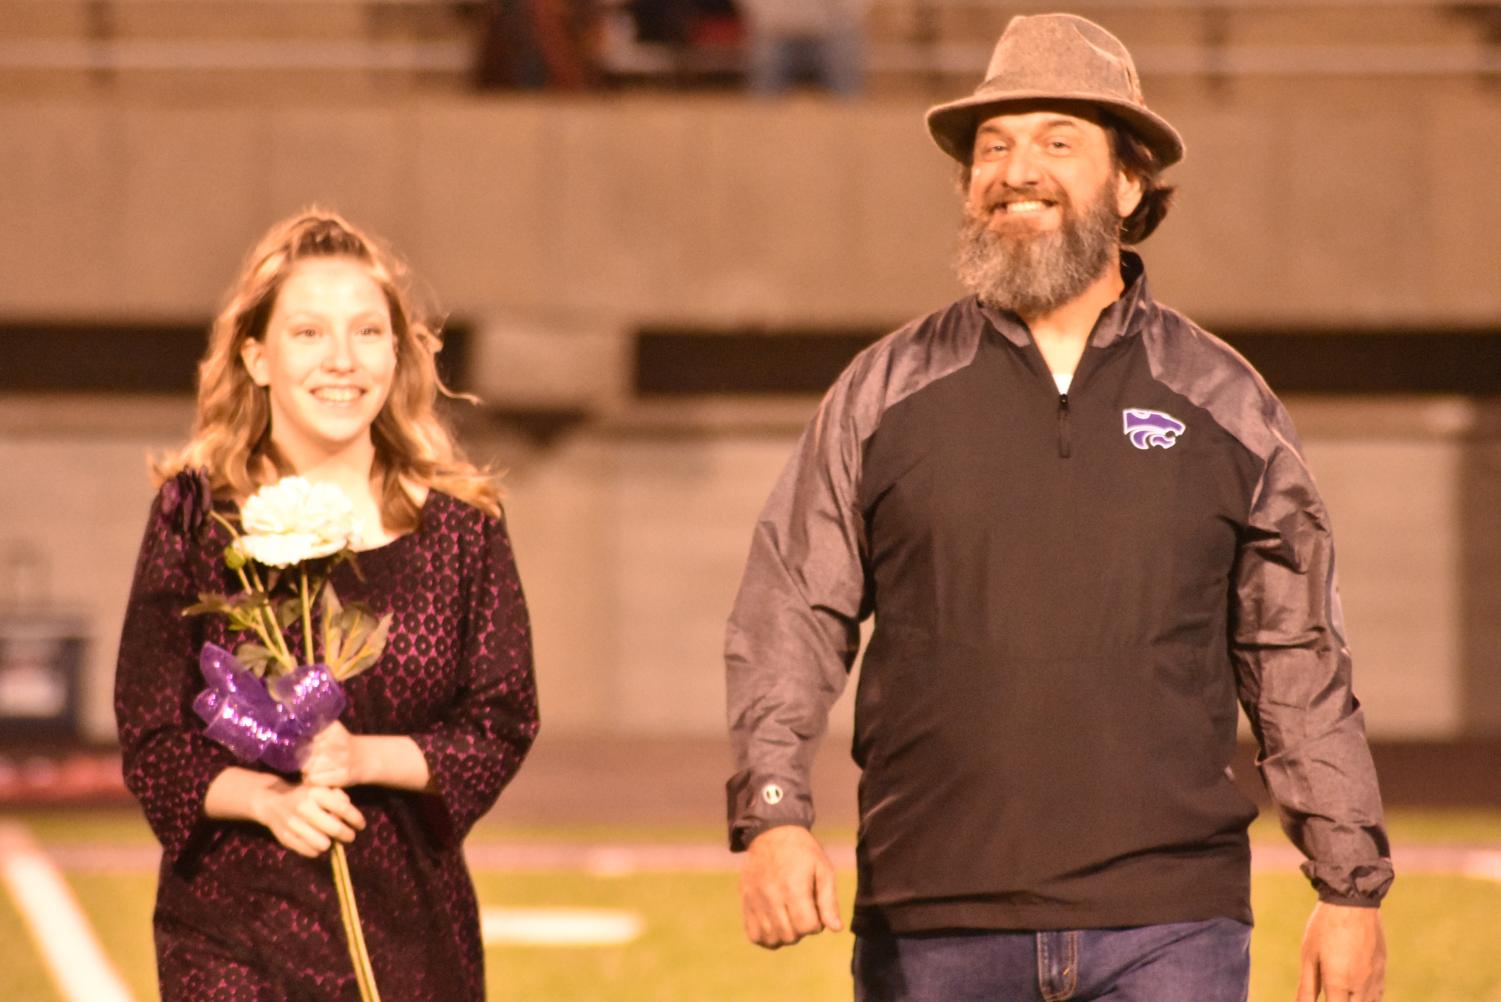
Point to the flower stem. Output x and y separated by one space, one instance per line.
284 653
307 614
272 638
349 913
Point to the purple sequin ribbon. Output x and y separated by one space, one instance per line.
271 721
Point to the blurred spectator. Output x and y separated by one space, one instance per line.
535 44
687 23
662 22
682 42
818 41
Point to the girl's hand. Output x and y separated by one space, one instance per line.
340 759
306 818
334 759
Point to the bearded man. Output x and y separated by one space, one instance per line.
1085 529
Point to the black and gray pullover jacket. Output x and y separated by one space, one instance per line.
1070 594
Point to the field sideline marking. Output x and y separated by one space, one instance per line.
559 926
62 934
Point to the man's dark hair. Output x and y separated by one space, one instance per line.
1134 157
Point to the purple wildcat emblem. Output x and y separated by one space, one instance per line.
1148 428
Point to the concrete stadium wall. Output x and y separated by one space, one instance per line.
1348 207
631 533
556 228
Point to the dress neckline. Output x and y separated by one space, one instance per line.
422 513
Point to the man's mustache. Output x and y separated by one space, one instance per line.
1004 193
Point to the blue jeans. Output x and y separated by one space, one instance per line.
1180 962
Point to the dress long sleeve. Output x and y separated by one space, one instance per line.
480 743
168 763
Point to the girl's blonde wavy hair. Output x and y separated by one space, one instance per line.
231 438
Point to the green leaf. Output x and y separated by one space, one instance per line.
377 642
240 620
255 657
208 602
333 633
349 648
352 630
370 650
246 604
362 640
288 611
331 604
252 600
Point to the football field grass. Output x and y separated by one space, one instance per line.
1443 929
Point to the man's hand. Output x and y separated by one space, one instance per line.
787 888
1344 955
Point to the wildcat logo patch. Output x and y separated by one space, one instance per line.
1148 428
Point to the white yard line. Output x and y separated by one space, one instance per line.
63 936
560 927
1483 864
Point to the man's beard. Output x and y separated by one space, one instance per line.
1033 273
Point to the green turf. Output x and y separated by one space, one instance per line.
692 948
1442 934
22 973
1442 937
119 906
74 826
599 834
1459 825
1443 931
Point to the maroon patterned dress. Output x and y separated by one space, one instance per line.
239 917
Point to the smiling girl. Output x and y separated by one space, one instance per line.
318 366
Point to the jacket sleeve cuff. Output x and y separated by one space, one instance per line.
1359 886
756 803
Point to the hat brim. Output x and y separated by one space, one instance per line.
953 125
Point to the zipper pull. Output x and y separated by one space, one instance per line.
1065 441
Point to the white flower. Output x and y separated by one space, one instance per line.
293 520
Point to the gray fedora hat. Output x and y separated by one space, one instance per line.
1057 57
